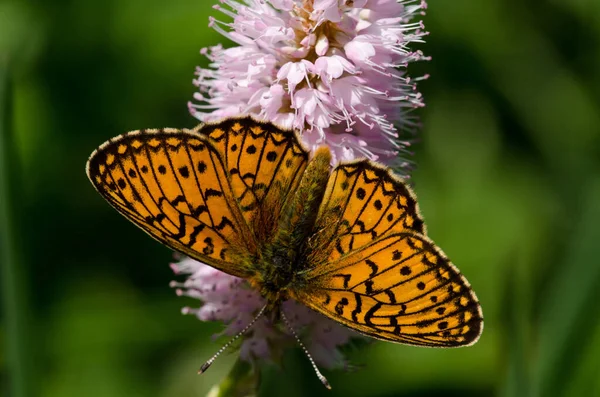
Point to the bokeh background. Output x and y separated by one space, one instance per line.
508 179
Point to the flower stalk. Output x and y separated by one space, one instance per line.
241 381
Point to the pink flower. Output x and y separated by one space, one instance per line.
231 300
330 68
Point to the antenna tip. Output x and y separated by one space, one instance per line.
204 367
325 383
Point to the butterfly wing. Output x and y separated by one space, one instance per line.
174 185
373 269
265 164
363 201
402 289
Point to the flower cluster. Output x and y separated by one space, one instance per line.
330 68
230 300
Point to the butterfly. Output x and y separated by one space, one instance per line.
246 197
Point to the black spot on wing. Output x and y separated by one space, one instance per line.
339 307
360 193
184 171
358 309
224 222
212 193
373 266
271 156
345 277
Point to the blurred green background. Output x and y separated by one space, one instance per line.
508 179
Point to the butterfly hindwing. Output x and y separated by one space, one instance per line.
173 184
400 288
265 164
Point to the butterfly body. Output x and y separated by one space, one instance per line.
246 197
282 262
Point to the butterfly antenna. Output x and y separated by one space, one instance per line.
312 362
207 364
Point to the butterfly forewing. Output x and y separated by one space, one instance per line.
363 202
173 184
400 288
265 164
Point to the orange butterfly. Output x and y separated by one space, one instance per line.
246 197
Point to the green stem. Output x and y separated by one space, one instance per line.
242 381
14 304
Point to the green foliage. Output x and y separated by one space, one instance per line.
508 180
